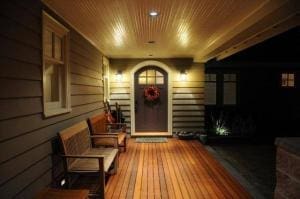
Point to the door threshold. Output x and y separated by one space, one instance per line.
151 134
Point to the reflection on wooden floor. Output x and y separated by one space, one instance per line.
177 169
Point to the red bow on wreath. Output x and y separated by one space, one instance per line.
151 93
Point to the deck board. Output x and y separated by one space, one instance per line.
177 169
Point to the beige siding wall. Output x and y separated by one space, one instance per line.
187 97
27 163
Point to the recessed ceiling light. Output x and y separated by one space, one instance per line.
151 42
153 13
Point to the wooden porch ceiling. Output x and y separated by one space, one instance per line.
184 28
177 169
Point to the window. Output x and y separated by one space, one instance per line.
229 89
210 89
56 97
287 80
151 77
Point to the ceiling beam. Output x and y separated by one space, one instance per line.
271 14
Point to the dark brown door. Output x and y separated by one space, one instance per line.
151 116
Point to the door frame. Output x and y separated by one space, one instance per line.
132 94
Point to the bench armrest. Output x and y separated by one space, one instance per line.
113 140
83 156
104 134
99 157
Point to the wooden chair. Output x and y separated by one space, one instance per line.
99 126
115 117
81 158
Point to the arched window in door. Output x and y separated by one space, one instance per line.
151 77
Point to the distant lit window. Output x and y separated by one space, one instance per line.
287 80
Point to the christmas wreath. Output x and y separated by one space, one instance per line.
151 93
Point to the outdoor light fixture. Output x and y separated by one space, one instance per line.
119 76
183 75
153 13
63 182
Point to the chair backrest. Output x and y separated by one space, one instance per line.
107 106
97 123
75 139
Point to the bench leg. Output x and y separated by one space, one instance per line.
102 184
125 143
101 178
116 164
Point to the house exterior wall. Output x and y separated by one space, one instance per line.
187 97
273 110
28 141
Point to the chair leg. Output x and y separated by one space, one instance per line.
125 142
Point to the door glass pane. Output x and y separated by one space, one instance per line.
142 80
143 74
159 80
159 74
151 80
151 73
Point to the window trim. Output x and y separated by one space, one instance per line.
51 108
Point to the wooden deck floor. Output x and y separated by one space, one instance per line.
177 169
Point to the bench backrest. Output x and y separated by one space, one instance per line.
75 139
98 123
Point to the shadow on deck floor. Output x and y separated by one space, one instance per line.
254 162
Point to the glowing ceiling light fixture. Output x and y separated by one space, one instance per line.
153 13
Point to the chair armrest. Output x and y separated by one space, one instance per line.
110 124
107 140
104 134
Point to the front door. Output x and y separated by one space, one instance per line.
151 113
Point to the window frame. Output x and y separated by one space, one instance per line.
57 30
288 79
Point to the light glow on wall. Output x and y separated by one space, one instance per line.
183 76
183 34
119 34
119 76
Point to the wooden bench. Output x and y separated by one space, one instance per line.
81 158
99 126
50 193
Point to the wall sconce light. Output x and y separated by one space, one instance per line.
119 76
183 75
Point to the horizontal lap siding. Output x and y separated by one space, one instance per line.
188 106
26 137
120 93
187 96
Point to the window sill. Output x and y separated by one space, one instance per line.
59 111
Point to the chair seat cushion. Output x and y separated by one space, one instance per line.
91 164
